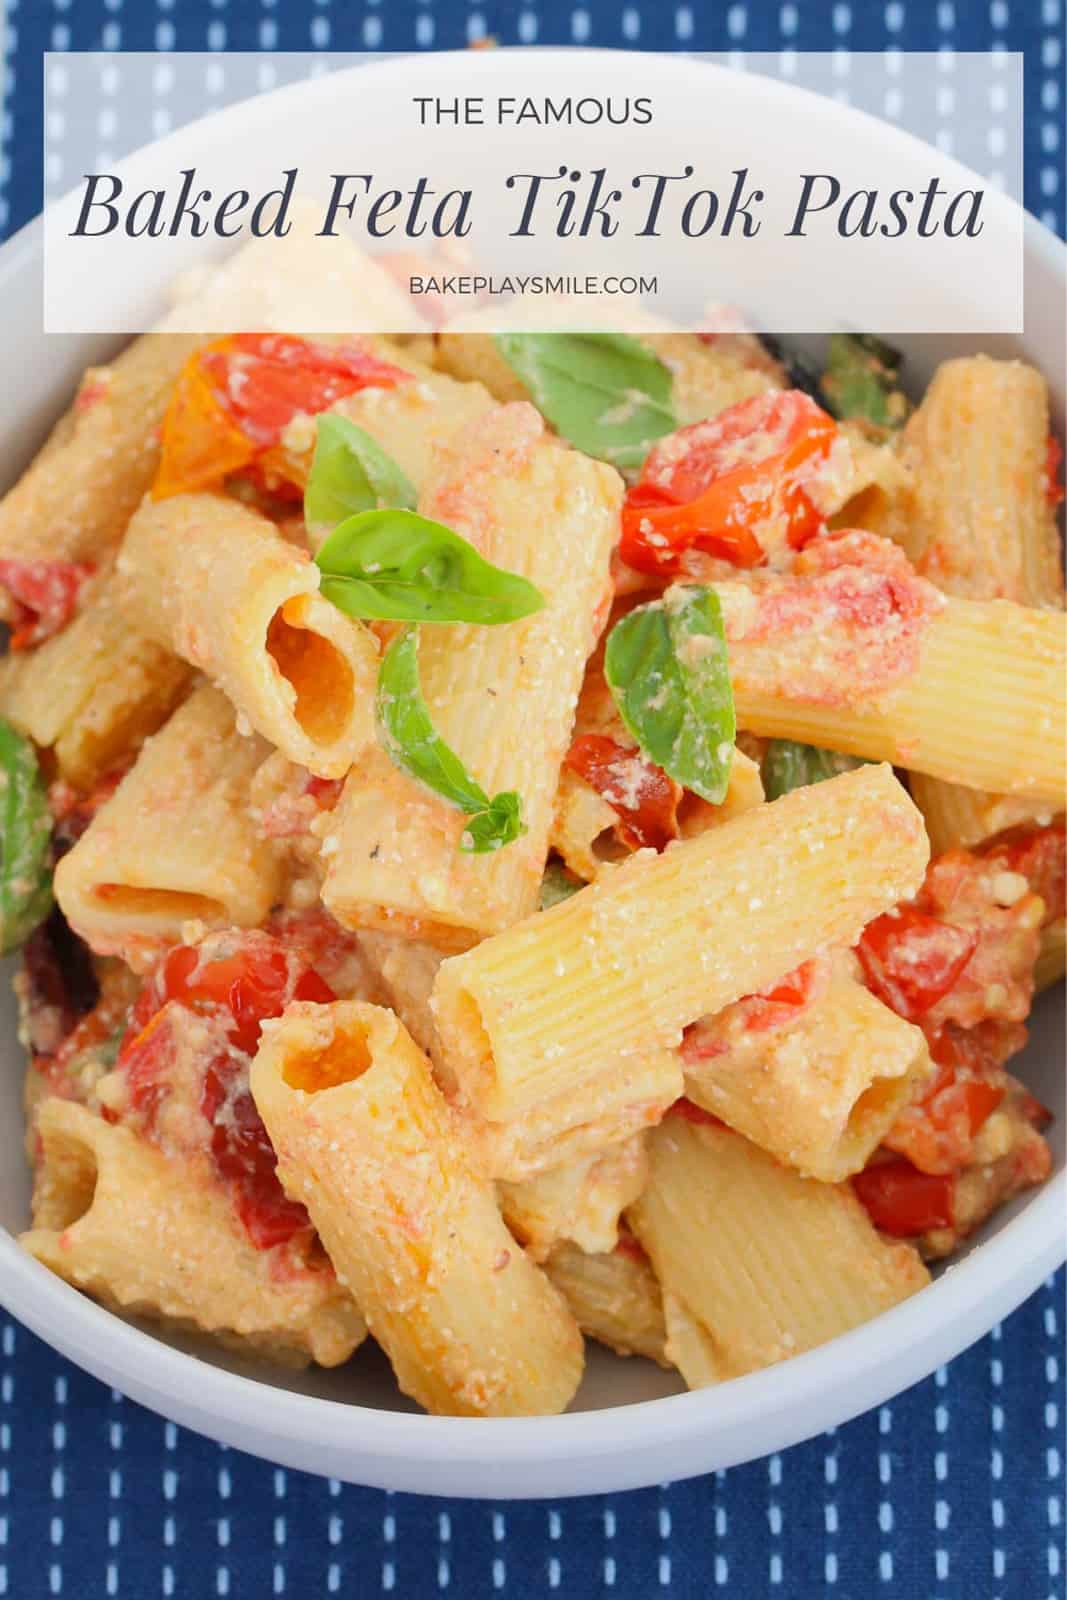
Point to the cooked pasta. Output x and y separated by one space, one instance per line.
447 819
299 672
365 1139
149 1237
819 1084
543 1007
503 697
757 1263
175 843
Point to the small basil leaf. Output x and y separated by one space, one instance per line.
667 667
350 472
499 824
415 746
25 841
398 566
605 392
861 381
557 884
788 765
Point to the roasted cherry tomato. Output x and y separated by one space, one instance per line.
713 485
235 397
241 979
46 596
911 959
257 980
936 1133
901 1200
643 796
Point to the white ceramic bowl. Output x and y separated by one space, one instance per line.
630 1426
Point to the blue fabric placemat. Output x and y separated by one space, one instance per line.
955 1491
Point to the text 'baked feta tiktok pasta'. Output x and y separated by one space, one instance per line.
529 837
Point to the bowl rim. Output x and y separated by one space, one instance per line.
821 1388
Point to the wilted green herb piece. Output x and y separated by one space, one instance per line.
605 392
862 382
668 669
350 472
414 744
788 765
25 839
558 884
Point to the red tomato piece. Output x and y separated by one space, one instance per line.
691 1112
264 380
771 1007
244 1156
251 977
200 442
902 1201
910 960
642 794
257 979
712 485
46 596
234 399
146 1057
937 1132
1040 855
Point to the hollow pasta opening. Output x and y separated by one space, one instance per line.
320 677
129 900
877 1108
346 1058
477 1046
66 1182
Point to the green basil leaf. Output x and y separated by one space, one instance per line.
350 472
605 392
861 381
558 884
25 841
667 667
788 765
398 566
415 746
497 825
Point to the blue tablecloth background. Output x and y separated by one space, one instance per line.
953 1492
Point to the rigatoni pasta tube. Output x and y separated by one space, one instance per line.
819 1090
613 1104
501 697
217 584
880 665
158 1237
75 498
584 824
765 1263
366 1141
614 1296
982 525
94 692
625 964
581 1200
977 447
175 842
410 421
